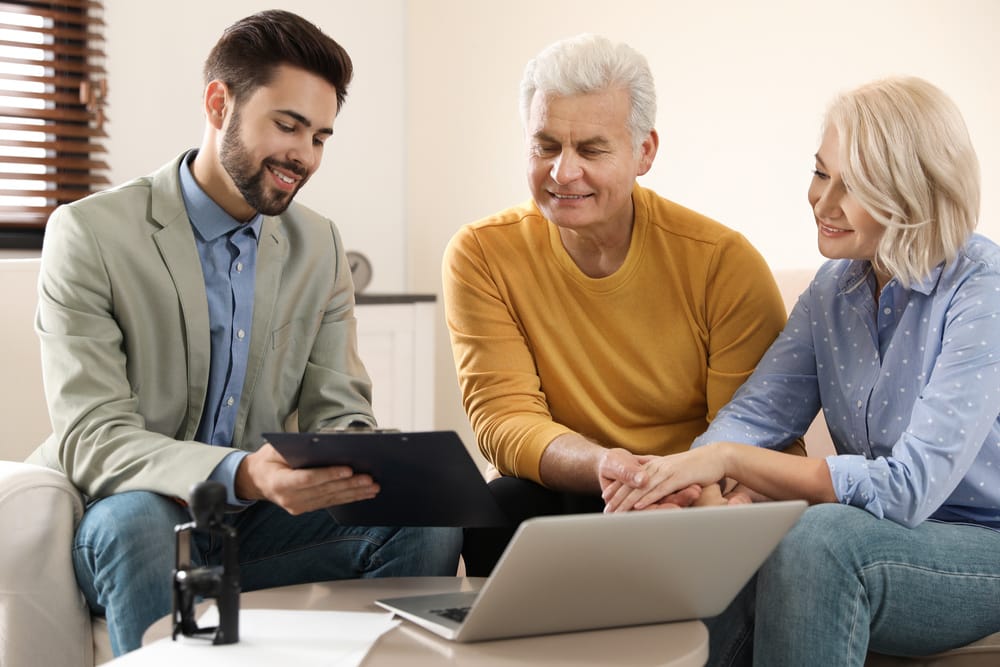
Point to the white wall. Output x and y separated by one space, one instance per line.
742 87
430 138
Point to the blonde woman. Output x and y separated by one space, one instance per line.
897 339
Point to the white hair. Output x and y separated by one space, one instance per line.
590 63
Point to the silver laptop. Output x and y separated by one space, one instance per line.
590 571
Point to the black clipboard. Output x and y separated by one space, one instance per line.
427 478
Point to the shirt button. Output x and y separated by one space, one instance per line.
887 311
859 404
230 401
239 266
241 334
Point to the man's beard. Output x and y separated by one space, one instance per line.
250 180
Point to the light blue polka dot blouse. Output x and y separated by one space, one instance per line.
909 386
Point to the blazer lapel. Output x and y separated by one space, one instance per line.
176 244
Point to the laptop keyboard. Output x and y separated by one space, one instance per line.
456 614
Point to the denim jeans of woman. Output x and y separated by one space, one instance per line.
124 555
844 582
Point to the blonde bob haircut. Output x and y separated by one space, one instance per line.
906 156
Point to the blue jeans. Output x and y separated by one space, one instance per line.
843 582
124 555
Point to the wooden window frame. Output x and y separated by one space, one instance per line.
53 92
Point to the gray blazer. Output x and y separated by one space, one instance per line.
123 324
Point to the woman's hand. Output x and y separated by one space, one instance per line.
666 476
620 469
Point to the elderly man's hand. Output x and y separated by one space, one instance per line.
621 465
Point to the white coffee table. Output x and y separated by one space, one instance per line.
666 644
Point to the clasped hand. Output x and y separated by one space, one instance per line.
641 482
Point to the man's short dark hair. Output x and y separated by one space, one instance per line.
249 51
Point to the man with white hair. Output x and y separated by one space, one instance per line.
598 324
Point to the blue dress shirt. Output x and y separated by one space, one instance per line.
228 252
909 385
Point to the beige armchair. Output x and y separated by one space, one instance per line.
44 620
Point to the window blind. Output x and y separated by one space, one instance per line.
52 108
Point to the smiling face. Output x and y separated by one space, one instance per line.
581 165
252 178
846 229
273 142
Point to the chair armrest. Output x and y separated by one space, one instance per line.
44 619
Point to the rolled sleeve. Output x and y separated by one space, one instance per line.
852 483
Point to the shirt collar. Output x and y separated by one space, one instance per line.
208 218
858 270
927 284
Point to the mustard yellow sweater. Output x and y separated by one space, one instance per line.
640 359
